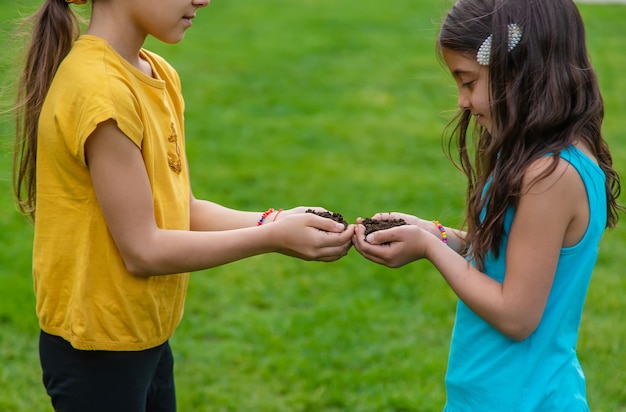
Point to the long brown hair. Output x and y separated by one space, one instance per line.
544 97
55 27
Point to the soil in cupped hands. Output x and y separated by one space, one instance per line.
337 217
374 225
371 225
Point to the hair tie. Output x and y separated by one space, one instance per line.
78 2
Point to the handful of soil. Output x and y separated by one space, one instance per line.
337 217
373 225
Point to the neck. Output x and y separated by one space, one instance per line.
112 25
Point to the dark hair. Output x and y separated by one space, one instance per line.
55 27
544 97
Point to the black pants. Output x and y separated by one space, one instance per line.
94 381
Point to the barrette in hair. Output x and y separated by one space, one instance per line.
79 2
484 52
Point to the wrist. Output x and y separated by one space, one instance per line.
264 216
432 246
442 233
269 216
274 215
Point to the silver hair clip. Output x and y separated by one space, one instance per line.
484 52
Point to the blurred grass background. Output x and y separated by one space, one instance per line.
333 104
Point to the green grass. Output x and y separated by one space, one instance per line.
333 104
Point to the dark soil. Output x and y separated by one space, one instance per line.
337 217
372 225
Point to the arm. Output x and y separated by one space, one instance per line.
124 194
206 215
552 213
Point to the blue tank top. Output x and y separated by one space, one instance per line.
488 371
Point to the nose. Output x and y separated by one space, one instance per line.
201 3
464 101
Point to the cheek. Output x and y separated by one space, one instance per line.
480 95
482 100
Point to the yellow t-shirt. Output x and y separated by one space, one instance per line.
84 292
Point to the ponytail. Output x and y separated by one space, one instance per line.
55 27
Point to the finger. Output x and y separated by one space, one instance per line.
328 225
329 243
369 252
359 234
359 248
375 238
300 209
383 216
366 249
343 239
333 253
384 236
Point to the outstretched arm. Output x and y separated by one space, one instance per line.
121 183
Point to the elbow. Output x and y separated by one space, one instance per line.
519 330
518 336
137 268
138 264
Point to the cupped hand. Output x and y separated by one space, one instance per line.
409 219
394 247
427 225
311 237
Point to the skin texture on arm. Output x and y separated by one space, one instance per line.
207 215
122 187
552 213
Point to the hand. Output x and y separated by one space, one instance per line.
409 219
427 225
281 214
394 247
311 237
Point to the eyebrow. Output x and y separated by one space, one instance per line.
461 72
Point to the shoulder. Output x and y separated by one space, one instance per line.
554 194
88 53
89 70
549 172
553 190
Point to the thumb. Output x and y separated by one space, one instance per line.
329 225
379 237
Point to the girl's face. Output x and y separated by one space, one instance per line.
472 80
167 20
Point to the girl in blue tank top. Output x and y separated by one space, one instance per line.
541 191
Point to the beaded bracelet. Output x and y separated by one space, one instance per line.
444 234
264 215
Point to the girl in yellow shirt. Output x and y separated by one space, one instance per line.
101 159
